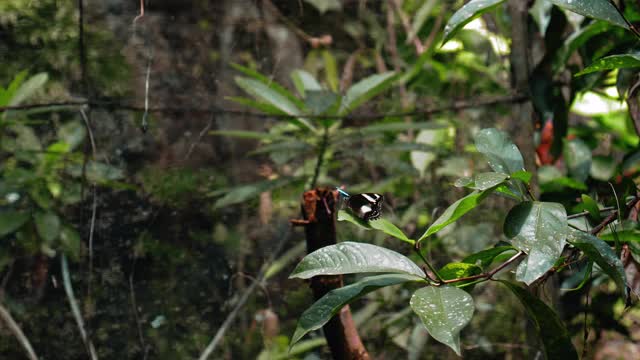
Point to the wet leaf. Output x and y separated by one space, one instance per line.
444 311
612 62
550 329
601 253
465 14
539 229
597 9
351 257
482 181
329 305
456 270
503 155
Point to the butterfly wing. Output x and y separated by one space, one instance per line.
367 206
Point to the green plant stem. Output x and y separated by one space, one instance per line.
416 248
323 148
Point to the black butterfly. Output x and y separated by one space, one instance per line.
366 206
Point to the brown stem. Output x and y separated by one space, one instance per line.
319 211
489 274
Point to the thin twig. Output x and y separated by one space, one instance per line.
144 125
323 148
491 273
411 35
202 133
75 309
94 205
114 105
141 14
17 332
134 305
245 296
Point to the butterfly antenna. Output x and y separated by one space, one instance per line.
342 192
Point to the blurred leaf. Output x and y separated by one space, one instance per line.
366 89
47 225
266 94
242 134
522 175
577 156
421 16
402 126
578 279
303 81
28 88
456 211
432 137
270 83
597 9
602 168
444 311
503 155
331 71
550 329
243 193
486 257
10 91
320 101
457 270
329 305
263 107
72 133
465 14
96 172
540 230
599 252
579 38
41 195
12 220
351 257
70 242
592 207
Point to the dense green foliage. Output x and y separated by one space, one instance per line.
121 243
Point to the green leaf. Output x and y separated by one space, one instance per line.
379 224
243 193
579 38
599 252
268 82
351 257
401 126
266 94
550 329
329 305
456 270
482 181
612 62
540 230
484 258
365 89
11 220
444 311
503 155
47 225
456 211
303 81
72 133
522 175
28 88
70 242
325 5
465 14
331 70
577 156
242 134
592 207
597 9
260 106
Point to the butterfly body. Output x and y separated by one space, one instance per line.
366 206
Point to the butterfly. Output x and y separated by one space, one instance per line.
366 206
